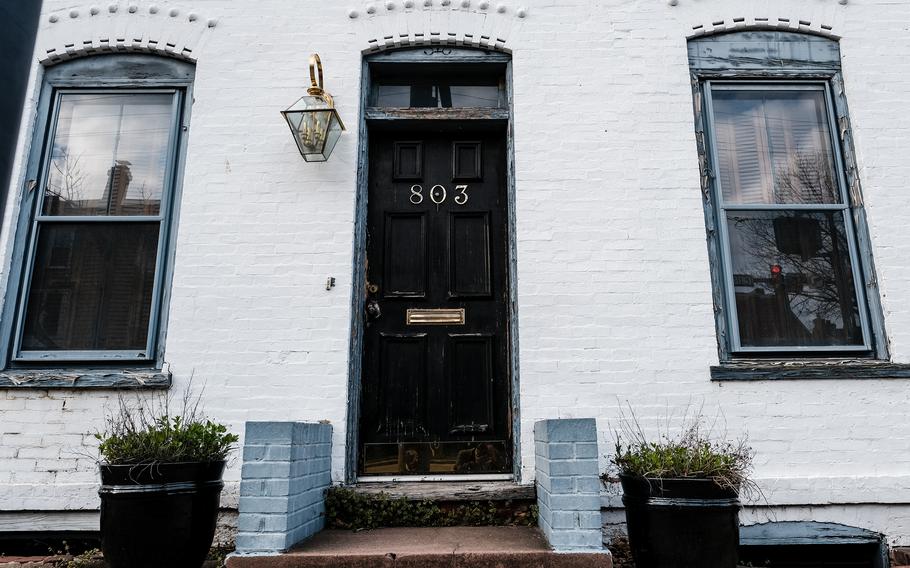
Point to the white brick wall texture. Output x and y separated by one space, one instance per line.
614 291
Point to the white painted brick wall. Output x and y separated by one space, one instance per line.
614 291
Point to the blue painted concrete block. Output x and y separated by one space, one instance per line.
568 484
566 430
286 471
269 432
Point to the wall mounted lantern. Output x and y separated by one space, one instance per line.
313 119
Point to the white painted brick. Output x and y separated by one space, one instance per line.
39 452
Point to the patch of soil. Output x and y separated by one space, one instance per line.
93 559
622 554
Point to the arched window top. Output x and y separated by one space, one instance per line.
120 69
438 54
762 50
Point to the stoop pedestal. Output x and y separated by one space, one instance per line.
568 484
286 471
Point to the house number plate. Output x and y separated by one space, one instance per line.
439 194
442 316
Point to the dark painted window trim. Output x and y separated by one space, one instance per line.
108 71
85 379
769 57
818 369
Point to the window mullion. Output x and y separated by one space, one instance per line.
100 219
784 207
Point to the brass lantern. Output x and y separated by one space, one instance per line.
313 119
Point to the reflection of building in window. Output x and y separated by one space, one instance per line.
119 178
114 198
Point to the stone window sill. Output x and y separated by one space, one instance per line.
84 379
776 370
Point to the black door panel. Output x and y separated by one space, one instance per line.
436 346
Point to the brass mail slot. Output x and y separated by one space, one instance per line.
441 316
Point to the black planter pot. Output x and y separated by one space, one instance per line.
159 515
681 523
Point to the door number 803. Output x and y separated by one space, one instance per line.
438 194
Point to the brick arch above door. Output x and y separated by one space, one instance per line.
471 23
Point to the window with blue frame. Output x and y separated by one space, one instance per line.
792 272
96 225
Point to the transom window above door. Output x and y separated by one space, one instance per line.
459 86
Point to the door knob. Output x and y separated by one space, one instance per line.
373 310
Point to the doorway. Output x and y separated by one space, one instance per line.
436 358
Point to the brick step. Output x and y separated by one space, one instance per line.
450 547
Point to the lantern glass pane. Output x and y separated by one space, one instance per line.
332 136
309 102
310 129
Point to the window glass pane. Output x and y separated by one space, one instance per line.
438 96
774 146
91 287
109 154
793 279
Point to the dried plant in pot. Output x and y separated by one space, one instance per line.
681 493
161 481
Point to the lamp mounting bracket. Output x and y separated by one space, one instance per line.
316 88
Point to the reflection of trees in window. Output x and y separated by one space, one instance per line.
65 182
801 260
808 178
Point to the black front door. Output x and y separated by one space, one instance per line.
436 344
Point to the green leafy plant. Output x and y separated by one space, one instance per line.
149 432
347 509
691 451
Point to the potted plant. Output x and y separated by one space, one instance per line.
160 484
681 494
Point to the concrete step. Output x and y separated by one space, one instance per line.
450 547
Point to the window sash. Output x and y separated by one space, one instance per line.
721 209
37 219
